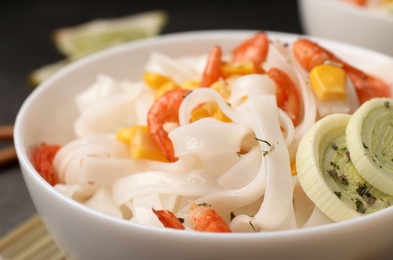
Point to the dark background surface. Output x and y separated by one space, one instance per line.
26 44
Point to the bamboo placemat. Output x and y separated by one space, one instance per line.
29 241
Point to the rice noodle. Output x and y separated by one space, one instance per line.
242 167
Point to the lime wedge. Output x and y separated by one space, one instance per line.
81 40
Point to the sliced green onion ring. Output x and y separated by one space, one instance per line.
370 140
328 176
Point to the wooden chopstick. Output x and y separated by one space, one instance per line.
6 132
7 154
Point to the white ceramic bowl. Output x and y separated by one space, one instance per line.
82 233
335 20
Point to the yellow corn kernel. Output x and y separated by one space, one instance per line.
237 68
142 145
293 168
170 85
209 109
124 135
190 85
328 82
155 80
223 88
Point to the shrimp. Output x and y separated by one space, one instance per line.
205 219
168 219
212 72
254 49
42 161
310 54
287 94
165 109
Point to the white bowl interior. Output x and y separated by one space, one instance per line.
48 114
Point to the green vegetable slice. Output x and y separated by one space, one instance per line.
329 178
370 140
81 40
84 39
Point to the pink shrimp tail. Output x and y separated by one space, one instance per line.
165 109
309 54
212 72
205 219
254 49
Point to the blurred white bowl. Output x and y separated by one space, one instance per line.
82 233
339 21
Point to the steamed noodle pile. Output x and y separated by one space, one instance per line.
255 191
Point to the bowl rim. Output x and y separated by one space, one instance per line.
341 6
26 163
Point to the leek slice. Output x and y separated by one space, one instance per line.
329 178
370 140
